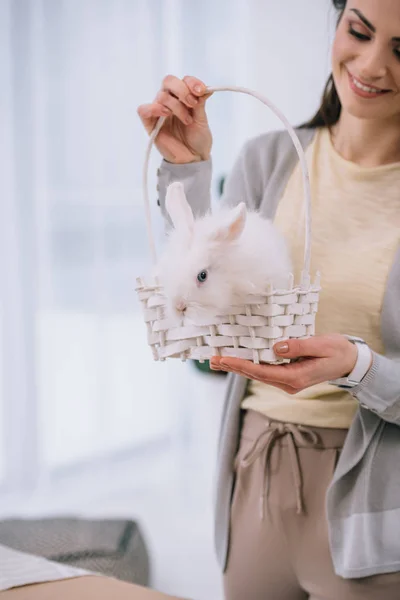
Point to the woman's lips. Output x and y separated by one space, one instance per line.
363 89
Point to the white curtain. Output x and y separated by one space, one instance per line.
77 379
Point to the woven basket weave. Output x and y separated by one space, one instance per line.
247 331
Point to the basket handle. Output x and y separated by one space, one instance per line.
297 145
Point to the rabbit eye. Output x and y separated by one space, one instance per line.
202 276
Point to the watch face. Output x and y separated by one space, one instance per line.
357 340
344 383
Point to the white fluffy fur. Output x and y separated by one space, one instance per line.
236 267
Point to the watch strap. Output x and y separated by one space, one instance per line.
361 367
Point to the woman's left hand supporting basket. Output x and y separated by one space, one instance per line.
321 358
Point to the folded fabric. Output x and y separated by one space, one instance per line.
19 568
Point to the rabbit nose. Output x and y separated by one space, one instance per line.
180 305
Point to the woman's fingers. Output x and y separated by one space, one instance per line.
178 88
187 136
150 113
183 98
153 110
175 106
196 86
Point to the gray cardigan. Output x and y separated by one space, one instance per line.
363 500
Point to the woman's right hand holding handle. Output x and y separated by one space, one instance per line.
185 137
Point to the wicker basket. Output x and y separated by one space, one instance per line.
247 331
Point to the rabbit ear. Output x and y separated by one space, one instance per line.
234 226
178 207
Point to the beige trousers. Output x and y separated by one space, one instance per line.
279 546
83 588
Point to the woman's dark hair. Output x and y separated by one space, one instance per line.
329 112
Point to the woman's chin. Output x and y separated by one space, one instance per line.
365 113
371 109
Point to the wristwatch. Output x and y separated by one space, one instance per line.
361 368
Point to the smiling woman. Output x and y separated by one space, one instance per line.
366 63
301 511
359 41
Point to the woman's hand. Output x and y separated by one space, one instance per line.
185 137
322 358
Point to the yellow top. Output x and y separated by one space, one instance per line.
356 231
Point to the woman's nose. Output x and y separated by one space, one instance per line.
373 65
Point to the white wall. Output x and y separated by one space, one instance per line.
281 49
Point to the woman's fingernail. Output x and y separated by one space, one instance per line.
282 348
198 88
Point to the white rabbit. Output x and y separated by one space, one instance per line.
215 261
